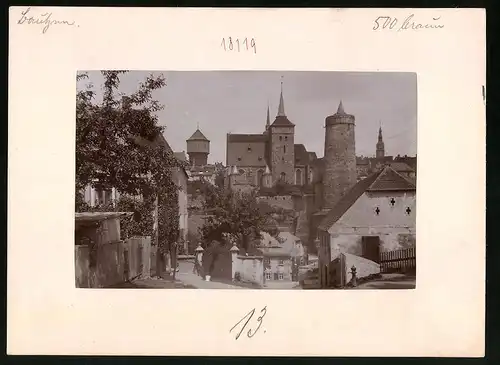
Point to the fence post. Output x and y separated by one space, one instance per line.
234 257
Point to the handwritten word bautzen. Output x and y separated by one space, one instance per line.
386 22
44 20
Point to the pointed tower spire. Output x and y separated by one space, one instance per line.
380 147
268 120
340 109
281 107
267 172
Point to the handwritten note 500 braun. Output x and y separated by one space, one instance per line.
408 23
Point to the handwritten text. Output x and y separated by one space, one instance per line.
44 20
248 317
386 22
238 45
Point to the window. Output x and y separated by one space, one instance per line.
260 175
268 276
239 158
260 158
281 138
298 177
286 138
284 149
249 149
283 176
281 262
280 276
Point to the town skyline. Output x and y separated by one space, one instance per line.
221 102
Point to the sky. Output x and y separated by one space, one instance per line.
222 102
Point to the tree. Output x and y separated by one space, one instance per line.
235 216
119 145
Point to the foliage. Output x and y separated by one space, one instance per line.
235 216
119 144
141 223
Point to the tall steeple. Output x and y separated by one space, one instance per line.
268 120
281 107
380 148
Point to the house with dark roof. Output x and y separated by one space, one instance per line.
377 214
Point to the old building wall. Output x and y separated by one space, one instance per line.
395 223
283 154
278 201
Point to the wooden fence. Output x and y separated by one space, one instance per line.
401 261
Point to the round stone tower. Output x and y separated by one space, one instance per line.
198 148
340 156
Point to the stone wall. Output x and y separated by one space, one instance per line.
112 263
283 153
250 269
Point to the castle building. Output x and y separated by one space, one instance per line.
268 158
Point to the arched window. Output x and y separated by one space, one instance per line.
260 175
298 177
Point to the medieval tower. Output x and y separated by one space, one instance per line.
340 156
380 153
198 149
281 152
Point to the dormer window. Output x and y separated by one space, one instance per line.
249 149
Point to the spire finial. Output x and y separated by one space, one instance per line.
281 107
340 109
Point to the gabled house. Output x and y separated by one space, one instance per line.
282 256
377 214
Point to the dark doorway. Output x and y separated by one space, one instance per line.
371 248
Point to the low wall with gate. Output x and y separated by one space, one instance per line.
109 264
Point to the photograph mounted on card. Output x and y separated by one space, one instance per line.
315 197
268 168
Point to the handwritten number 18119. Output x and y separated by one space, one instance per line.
238 45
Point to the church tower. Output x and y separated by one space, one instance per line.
380 145
281 139
340 156
198 148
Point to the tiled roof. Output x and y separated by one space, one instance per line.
347 201
242 138
384 180
401 167
390 180
301 155
198 136
312 156
282 121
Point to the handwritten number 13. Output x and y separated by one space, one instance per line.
237 45
248 317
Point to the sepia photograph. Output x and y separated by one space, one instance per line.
245 180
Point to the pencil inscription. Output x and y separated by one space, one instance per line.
248 317
44 20
387 22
